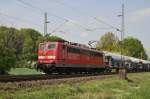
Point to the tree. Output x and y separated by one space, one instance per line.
51 39
30 46
134 48
108 42
131 46
9 48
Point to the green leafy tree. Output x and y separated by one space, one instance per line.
30 46
134 47
50 38
108 42
9 48
7 59
130 46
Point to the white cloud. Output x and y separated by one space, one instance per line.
140 15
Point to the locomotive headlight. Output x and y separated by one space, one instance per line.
51 57
41 57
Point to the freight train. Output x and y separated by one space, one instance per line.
68 57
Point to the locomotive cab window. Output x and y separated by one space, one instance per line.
42 46
51 46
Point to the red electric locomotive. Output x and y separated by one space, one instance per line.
66 57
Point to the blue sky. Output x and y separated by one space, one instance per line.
71 19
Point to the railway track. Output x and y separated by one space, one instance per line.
19 78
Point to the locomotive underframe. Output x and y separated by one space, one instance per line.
72 68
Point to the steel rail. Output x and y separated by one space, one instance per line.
19 78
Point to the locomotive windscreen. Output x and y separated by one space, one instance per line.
47 46
51 46
42 46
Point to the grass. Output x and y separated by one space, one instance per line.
110 88
23 71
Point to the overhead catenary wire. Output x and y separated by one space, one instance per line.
68 6
40 9
52 14
19 19
101 21
61 25
28 4
79 11
69 20
28 8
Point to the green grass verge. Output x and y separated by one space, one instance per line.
23 71
110 88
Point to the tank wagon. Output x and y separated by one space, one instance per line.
131 64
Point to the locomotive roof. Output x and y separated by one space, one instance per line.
76 45
82 46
